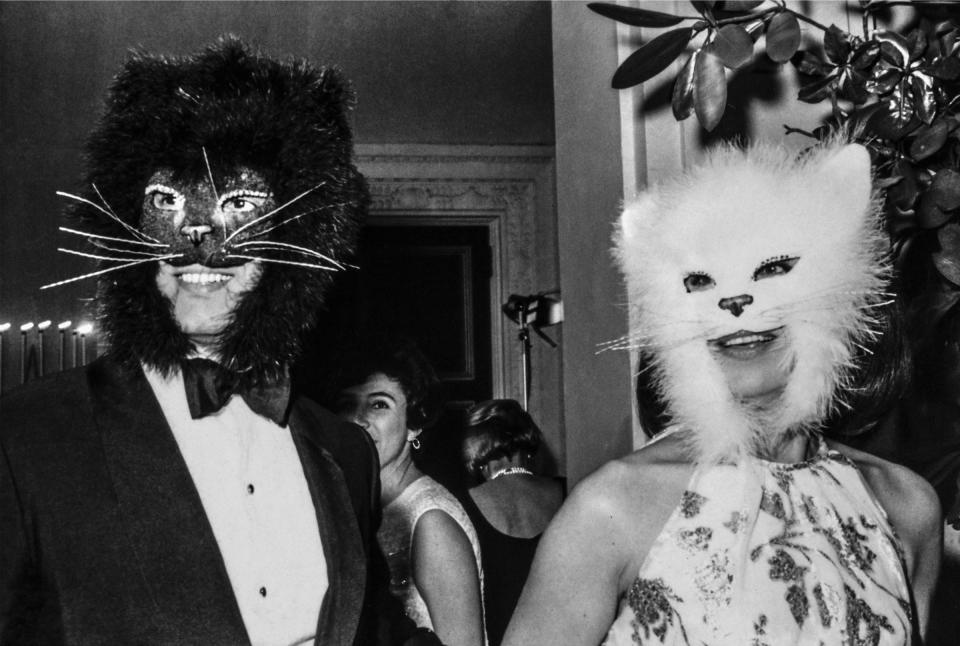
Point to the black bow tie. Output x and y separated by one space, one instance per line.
209 386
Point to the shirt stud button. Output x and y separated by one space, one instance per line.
249 488
263 592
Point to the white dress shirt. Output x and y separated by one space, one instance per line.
251 483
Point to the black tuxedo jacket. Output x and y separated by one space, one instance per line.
103 538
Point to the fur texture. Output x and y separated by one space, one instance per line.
725 218
285 120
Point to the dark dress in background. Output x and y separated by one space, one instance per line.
506 564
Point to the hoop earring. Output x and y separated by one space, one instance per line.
415 444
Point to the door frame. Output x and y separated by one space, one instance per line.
508 189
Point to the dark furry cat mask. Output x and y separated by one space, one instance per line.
268 145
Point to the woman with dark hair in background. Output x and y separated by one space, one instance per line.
512 506
431 547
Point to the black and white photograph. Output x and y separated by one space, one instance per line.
479 322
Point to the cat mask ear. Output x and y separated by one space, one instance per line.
846 178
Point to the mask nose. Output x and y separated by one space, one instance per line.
735 304
195 232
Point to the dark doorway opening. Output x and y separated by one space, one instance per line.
430 283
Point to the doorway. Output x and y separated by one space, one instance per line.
431 283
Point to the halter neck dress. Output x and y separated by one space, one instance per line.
771 554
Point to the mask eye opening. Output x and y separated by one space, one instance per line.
698 281
164 197
242 199
776 266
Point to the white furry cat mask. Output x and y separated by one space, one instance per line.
754 240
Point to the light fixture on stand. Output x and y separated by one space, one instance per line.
532 312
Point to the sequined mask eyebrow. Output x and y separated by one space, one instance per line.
163 188
774 266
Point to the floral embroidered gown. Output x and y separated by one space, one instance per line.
771 554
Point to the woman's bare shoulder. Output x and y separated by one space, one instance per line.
908 499
635 489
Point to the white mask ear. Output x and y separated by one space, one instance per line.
632 235
846 179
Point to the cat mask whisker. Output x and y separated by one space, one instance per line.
136 232
642 341
110 269
216 195
651 331
281 246
284 262
825 303
104 200
106 247
85 234
94 256
267 215
293 218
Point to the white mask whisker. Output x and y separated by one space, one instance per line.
106 247
109 269
267 215
284 262
102 257
296 217
216 195
282 246
103 199
102 237
139 234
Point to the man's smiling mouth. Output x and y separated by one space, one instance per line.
200 278
204 278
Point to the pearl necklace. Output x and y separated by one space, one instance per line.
509 471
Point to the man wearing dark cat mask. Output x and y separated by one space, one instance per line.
176 493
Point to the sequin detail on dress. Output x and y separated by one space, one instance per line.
770 554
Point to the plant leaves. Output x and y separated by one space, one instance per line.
740 5
893 47
755 29
945 189
810 64
865 55
884 82
924 103
916 44
903 194
709 90
929 215
703 6
652 58
835 44
947 260
885 125
682 101
853 87
634 16
733 45
929 139
783 37
817 90
945 69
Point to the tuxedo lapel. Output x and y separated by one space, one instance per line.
339 532
177 558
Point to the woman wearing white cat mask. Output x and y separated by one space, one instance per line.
758 282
